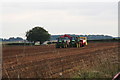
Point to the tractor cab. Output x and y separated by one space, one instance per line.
59 40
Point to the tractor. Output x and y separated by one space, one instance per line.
81 41
62 42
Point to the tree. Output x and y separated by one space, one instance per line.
37 34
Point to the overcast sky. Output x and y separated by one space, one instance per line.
69 17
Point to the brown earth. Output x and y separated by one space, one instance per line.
49 62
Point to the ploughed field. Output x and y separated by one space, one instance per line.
46 61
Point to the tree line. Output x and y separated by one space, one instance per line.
39 34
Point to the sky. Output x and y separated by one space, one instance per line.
59 17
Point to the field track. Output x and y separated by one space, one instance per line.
47 61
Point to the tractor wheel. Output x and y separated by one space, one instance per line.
80 44
65 46
57 46
62 46
83 45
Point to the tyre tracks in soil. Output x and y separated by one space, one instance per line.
52 56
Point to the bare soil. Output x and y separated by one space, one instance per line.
48 62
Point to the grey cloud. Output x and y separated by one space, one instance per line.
60 16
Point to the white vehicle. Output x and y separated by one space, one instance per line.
37 43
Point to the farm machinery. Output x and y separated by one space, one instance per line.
62 42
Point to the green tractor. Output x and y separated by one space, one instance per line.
62 42
72 42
